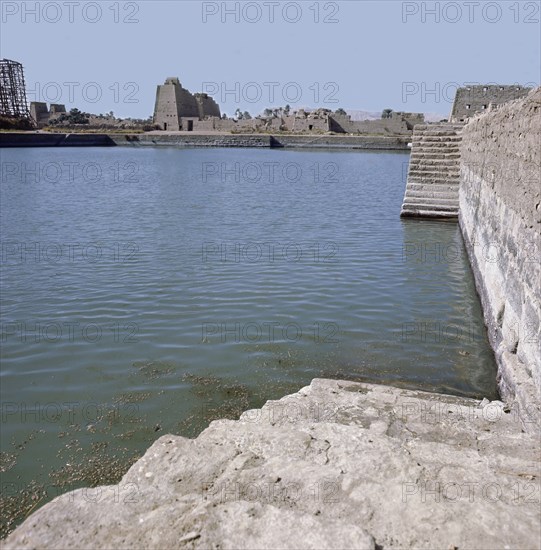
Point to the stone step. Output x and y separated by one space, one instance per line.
435 165
433 187
419 173
433 204
435 143
425 157
438 150
427 178
451 147
337 465
436 162
431 170
422 413
438 154
426 212
425 175
414 194
427 170
443 202
436 179
441 125
429 182
445 152
433 151
424 204
436 139
443 133
410 194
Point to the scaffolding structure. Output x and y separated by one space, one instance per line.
12 90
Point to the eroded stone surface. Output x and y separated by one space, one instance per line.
336 465
500 218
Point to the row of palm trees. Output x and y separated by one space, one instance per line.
274 113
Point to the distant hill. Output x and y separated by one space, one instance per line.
435 117
363 115
375 115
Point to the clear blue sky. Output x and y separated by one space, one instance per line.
376 54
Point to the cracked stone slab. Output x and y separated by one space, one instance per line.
336 465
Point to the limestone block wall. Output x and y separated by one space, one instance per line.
39 112
476 99
207 106
274 124
343 123
186 104
206 125
500 218
223 125
308 124
411 119
57 108
383 126
42 115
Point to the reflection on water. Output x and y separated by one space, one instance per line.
148 291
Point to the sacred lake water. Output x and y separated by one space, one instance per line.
150 290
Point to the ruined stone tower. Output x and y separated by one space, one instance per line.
207 106
177 109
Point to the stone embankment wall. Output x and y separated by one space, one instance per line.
212 139
193 140
31 139
391 143
500 218
396 124
265 140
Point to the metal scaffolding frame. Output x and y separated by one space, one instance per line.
12 90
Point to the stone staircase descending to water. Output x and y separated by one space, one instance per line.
434 172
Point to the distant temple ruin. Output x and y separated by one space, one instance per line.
14 110
177 109
471 100
42 116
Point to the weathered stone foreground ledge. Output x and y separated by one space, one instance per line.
336 465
